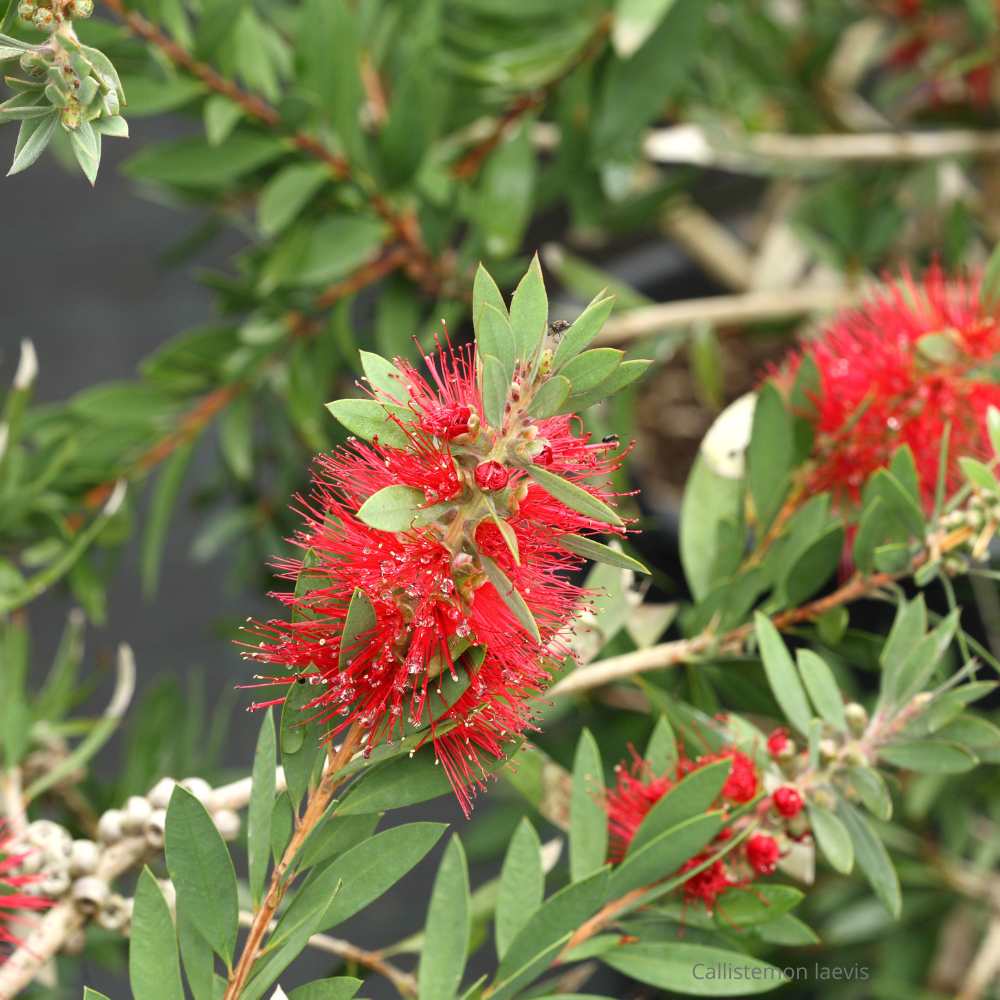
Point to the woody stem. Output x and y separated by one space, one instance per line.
316 807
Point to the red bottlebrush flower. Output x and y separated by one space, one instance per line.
777 741
880 389
637 789
492 476
762 853
13 898
427 585
787 801
448 421
741 785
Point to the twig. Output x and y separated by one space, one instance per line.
315 810
12 806
712 245
669 654
985 966
725 310
693 144
405 983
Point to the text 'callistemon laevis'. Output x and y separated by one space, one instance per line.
442 541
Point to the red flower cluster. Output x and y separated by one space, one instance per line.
638 789
882 384
13 898
431 593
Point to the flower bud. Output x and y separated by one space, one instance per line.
777 741
763 853
491 476
828 749
787 801
26 10
70 115
857 717
44 20
80 8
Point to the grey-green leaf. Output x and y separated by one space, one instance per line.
448 928
872 857
550 397
529 311
369 419
496 385
781 674
358 625
261 809
584 329
588 823
575 497
522 885
588 370
392 508
822 687
153 961
514 601
832 837
202 872
599 552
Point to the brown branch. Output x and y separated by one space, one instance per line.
420 265
316 808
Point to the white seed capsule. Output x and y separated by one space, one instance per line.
114 913
199 788
110 827
83 858
54 884
90 893
227 822
159 795
50 837
137 812
156 827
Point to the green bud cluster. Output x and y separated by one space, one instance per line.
66 82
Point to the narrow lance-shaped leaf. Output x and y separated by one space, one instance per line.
822 687
872 858
358 625
583 330
392 508
522 885
153 959
261 807
575 497
599 552
781 674
514 601
833 838
529 311
448 928
588 829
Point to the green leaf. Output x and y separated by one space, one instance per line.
872 858
573 496
635 91
869 786
448 928
399 782
584 329
822 687
588 822
711 503
979 475
221 117
336 246
929 756
494 338
236 437
392 508
624 375
906 634
546 933
32 138
89 994
635 21
358 626
496 387
529 311
598 552
916 670
262 798
514 601
898 501
769 455
202 872
675 966
522 885
690 797
382 375
287 193
370 420
161 507
588 370
661 751
377 864
550 397
757 905
993 428
504 197
194 163
153 963
989 290
665 853
341 988
781 674
485 292
832 837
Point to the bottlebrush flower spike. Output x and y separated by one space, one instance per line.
442 555
638 788
896 371
13 897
